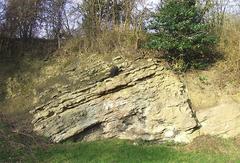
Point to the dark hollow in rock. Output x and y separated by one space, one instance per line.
114 71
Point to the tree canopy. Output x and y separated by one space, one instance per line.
180 29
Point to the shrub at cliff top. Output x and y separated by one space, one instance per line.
179 29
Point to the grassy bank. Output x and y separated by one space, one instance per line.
113 151
124 151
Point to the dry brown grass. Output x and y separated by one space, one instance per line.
229 45
17 140
107 41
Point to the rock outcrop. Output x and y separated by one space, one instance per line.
222 120
83 101
145 101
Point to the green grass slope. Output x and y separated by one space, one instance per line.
123 152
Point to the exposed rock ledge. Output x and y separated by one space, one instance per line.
222 120
145 101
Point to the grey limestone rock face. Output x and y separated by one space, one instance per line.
145 101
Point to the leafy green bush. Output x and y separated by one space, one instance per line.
178 28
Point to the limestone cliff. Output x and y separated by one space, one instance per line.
145 101
81 100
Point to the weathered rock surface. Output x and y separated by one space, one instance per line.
217 103
145 101
222 120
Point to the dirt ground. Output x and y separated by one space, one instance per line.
206 89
